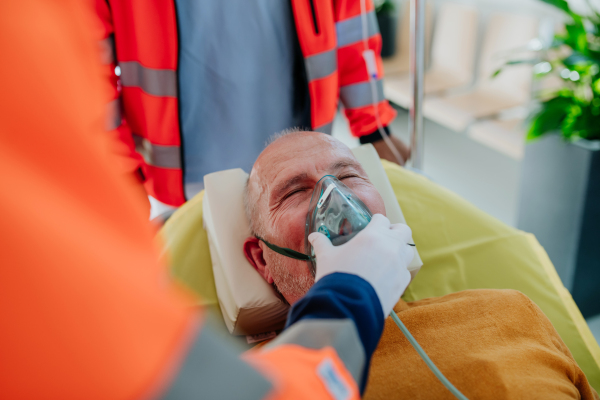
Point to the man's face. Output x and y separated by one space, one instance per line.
282 180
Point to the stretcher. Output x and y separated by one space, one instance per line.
460 246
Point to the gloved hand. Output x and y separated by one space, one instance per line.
379 254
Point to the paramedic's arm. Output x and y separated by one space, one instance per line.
88 311
355 91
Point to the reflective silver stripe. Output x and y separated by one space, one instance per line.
350 30
158 155
212 370
321 65
157 82
113 115
341 334
325 128
107 50
360 94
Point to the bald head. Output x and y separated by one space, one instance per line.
278 195
288 151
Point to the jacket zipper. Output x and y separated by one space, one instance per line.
314 16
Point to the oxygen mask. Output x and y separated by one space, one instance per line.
336 212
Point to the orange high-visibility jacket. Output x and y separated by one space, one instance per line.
87 311
145 108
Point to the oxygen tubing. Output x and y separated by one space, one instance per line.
426 358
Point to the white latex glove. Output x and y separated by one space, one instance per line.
379 254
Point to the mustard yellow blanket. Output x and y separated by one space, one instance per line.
491 344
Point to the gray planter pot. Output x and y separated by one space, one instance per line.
387 27
559 202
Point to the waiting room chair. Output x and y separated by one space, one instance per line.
398 64
452 55
505 34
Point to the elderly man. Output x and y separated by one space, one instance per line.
490 344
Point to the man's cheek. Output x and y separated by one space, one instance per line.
292 229
377 206
372 200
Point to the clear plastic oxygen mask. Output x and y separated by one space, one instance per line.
336 212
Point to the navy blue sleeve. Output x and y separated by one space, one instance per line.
344 296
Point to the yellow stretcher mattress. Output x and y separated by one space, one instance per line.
461 248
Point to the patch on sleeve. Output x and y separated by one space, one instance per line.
335 384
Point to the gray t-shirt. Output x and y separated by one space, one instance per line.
242 78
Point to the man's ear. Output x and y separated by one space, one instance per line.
254 254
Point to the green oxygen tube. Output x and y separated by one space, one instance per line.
426 358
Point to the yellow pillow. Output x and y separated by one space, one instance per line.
464 248
461 248
186 251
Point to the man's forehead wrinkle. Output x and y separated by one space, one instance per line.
287 183
280 160
274 161
344 162
286 151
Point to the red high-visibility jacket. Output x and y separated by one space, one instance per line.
146 108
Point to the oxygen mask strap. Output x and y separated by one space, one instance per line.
285 251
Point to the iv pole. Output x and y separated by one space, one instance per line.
417 65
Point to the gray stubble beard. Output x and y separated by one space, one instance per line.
288 284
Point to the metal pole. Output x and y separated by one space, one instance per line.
417 65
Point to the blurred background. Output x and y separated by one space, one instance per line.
512 118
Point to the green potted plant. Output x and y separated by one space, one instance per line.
572 109
559 199
387 19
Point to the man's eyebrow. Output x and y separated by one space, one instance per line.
303 176
343 163
284 186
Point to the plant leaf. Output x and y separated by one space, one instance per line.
550 117
560 4
576 36
577 59
531 61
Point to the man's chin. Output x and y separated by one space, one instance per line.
294 289
291 286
